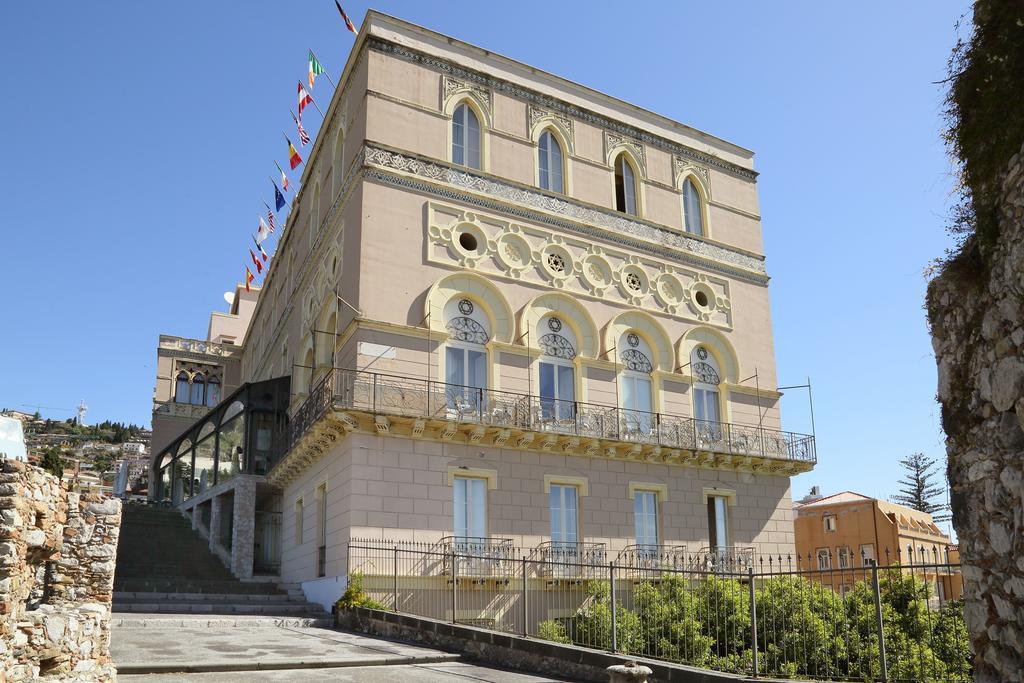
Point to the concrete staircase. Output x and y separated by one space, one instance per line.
166 573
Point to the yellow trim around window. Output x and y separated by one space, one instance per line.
582 484
660 489
491 476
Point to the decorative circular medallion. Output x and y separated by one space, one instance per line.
702 353
633 282
556 263
554 324
465 307
633 340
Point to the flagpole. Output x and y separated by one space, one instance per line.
313 102
329 79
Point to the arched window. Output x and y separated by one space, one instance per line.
182 391
706 397
625 186
465 356
557 372
635 380
213 392
693 210
465 137
198 389
549 163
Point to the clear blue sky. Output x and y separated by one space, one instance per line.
138 137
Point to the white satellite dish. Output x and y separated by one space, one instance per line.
230 298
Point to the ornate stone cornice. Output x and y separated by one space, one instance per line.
555 105
561 213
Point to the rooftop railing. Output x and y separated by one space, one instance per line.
168 341
415 397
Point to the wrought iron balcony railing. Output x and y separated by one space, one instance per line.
477 555
565 559
733 558
412 397
643 556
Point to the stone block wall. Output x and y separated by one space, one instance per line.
976 311
57 552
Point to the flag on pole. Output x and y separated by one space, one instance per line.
270 215
293 155
348 22
263 254
315 68
278 197
304 99
256 261
284 185
249 277
303 135
262 232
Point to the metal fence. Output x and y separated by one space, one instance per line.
386 394
723 609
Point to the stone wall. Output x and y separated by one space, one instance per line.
56 578
976 311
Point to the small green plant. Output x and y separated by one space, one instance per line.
355 596
554 631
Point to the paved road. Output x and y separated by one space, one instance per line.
155 654
455 672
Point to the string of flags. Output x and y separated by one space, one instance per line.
267 225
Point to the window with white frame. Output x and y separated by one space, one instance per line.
824 558
556 370
465 356
843 554
625 186
549 163
718 523
563 500
829 523
645 517
470 508
636 393
706 396
867 554
465 137
693 210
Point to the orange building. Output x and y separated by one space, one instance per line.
837 536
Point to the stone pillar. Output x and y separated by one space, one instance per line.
630 672
243 531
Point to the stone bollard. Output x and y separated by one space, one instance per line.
630 672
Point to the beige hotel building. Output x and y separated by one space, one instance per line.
505 308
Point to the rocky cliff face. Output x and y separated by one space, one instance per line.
976 312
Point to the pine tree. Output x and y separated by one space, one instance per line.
53 462
918 491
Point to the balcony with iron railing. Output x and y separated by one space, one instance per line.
417 406
197 346
566 559
649 556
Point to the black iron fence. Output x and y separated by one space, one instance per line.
416 397
725 609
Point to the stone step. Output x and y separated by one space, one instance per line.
273 610
166 621
121 596
182 585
